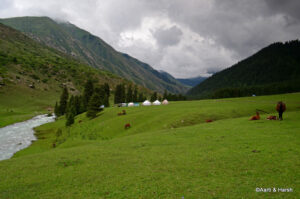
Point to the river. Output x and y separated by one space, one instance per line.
18 136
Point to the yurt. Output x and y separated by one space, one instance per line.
130 104
165 102
146 103
156 102
102 106
136 104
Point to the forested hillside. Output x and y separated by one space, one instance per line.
274 69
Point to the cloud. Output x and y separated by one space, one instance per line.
168 37
184 38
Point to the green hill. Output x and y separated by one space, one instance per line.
274 69
32 76
169 152
92 50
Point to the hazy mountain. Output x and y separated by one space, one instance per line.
274 69
192 81
82 45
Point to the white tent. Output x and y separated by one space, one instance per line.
146 103
165 102
130 104
157 102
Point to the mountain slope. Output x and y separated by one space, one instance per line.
192 81
32 76
92 50
274 69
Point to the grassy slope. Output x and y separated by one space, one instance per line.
25 62
155 160
22 103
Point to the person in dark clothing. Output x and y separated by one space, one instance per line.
280 109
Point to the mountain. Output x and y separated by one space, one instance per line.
32 76
82 45
274 69
192 81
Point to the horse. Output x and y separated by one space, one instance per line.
127 126
280 107
122 113
255 117
272 117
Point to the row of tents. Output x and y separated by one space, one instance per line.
156 103
145 103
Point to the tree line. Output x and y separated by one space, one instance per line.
90 102
94 97
129 94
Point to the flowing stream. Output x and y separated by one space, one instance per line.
18 136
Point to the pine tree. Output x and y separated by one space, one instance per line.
71 111
135 94
94 105
56 110
117 98
88 92
141 97
153 97
77 104
63 101
106 89
129 94
165 95
70 119
123 93
71 108
106 101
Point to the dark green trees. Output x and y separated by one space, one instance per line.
120 96
135 94
88 92
71 111
129 94
94 105
106 89
153 97
56 110
63 101
141 97
173 97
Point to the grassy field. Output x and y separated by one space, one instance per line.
22 103
169 152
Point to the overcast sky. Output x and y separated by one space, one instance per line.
186 38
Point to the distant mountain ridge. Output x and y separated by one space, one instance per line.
274 69
191 81
90 49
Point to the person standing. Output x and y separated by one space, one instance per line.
280 109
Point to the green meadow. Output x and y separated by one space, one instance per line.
21 103
169 152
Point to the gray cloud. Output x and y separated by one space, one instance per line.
168 37
185 38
